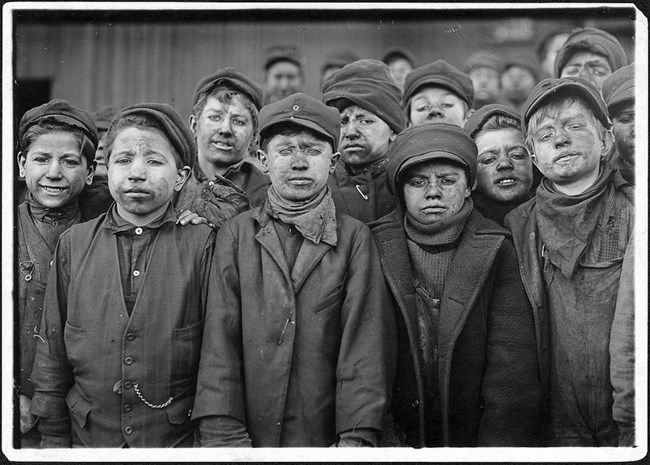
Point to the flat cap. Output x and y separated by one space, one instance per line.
339 59
277 53
231 78
430 141
569 86
439 73
397 53
368 84
302 110
618 88
521 60
475 122
595 41
179 135
62 112
484 59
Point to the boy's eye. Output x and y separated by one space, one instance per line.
423 108
518 154
40 159
448 181
71 162
416 182
314 152
544 137
486 160
214 117
121 160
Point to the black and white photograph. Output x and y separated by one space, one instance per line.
340 232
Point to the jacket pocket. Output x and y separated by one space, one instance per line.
333 298
187 349
180 411
78 405
72 331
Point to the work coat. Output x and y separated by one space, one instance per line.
297 355
489 389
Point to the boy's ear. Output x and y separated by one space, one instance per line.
469 113
193 125
606 143
264 160
91 172
334 160
183 175
21 164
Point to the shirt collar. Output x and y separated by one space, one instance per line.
117 224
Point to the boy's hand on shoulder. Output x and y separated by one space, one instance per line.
186 217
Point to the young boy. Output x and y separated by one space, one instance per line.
125 302
437 92
57 146
571 240
298 350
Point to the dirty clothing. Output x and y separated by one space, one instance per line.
125 380
362 194
495 211
571 249
489 392
298 354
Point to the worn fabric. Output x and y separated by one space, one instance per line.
492 210
315 218
592 40
299 355
490 393
618 88
439 73
94 356
233 79
362 195
574 317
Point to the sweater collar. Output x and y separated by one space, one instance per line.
445 232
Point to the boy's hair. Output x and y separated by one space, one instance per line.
289 129
553 106
50 125
226 95
496 122
140 121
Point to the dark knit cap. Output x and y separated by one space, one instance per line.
302 110
567 86
594 41
439 73
484 59
397 53
62 112
339 59
103 117
277 53
521 60
368 84
618 88
431 141
233 79
475 122
179 135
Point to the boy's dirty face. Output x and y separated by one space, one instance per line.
623 128
436 104
142 174
55 171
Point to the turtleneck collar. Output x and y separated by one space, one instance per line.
440 235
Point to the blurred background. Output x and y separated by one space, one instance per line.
116 58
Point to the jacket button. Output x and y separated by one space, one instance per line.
127 385
130 337
138 231
128 430
415 403
128 407
128 360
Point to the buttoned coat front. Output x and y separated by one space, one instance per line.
489 388
301 355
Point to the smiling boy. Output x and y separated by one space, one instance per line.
125 301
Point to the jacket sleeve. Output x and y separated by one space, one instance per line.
220 386
368 351
52 374
512 392
621 350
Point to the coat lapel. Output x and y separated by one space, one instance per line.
309 256
268 238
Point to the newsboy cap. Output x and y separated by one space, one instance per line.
475 122
591 40
302 110
277 53
179 135
439 73
368 84
522 61
483 59
618 88
339 59
567 86
230 77
430 141
62 112
398 53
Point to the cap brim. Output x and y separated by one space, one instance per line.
299 122
435 155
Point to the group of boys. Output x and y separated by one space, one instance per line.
387 273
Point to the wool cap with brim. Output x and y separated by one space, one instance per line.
484 59
338 59
618 88
103 117
277 53
302 110
569 87
62 112
475 122
595 41
521 60
368 84
233 79
426 142
179 135
398 53
438 73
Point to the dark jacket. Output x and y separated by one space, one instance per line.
490 394
297 355
93 355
